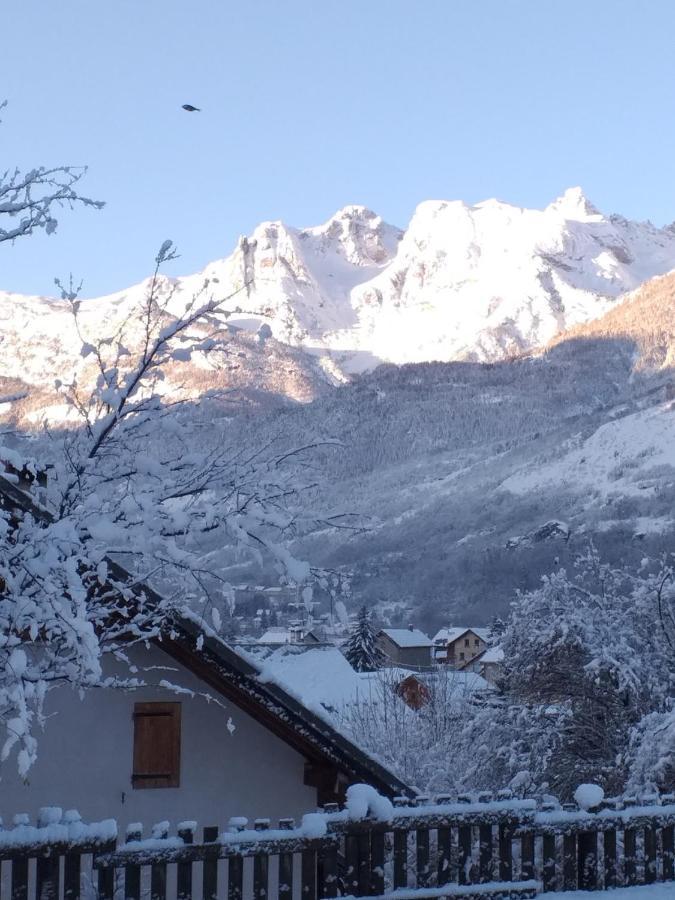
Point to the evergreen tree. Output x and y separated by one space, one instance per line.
361 649
497 629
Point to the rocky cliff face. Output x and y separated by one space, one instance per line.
480 283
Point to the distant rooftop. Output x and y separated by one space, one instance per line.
408 637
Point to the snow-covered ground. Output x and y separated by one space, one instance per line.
624 456
640 892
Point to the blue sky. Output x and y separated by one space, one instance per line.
309 106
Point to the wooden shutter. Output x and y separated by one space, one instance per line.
156 745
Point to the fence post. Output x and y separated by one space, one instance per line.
377 862
186 832
549 877
47 874
286 865
569 862
327 862
158 870
444 838
485 844
629 856
422 847
72 863
106 882
527 856
505 853
611 871
587 844
464 844
400 858
19 886
235 866
650 854
308 879
352 864
210 866
485 853
668 845
132 874
260 865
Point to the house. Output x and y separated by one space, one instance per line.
406 647
203 735
413 691
488 664
294 634
457 646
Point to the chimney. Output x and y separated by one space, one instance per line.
411 627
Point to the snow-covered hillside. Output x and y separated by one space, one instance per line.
470 480
477 282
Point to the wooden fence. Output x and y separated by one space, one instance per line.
467 847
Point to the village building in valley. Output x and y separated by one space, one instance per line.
457 646
408 647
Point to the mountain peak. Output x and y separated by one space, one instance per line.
354 211
574 204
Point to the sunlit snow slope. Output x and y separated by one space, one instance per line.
480 282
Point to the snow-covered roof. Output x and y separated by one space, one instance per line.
449 635
281 635
275 636
319 677
408 637
492 655
324 682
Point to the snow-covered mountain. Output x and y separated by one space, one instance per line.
470 480
480 282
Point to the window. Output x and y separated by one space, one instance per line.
476 642
156 745
461 656
466 642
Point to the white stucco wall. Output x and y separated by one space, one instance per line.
86 750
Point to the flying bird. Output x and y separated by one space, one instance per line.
190 108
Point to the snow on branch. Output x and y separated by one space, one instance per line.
29 200
135 483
